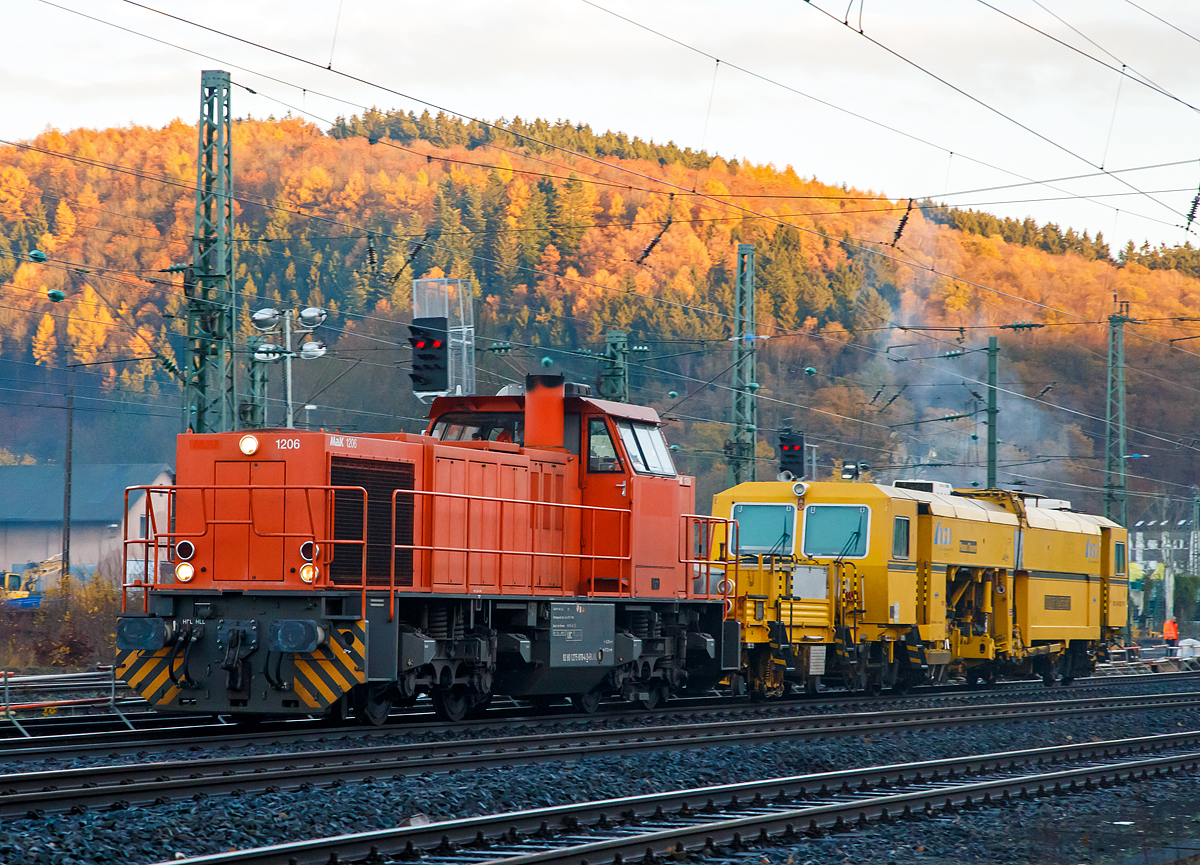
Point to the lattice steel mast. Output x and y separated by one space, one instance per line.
744 423
1114 418
210 388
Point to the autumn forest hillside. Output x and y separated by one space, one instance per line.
565 234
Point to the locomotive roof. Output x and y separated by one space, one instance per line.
444 404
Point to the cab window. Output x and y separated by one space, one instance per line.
479 426
769 529
602 453
1120 558
647 449
836 531
900 538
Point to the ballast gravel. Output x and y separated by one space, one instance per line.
1085 828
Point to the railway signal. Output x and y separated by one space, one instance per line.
791 453
431 355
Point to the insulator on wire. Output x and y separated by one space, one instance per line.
372 261
649 249
411 256
1192 210
903 222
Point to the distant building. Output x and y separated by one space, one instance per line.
31 510
1163 542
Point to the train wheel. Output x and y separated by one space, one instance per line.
451 704
874 684
480 706
372 704
656 694
587 703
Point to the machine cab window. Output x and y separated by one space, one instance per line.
1120 559
602 452
766 529
836 531
480 426
900 538
647 449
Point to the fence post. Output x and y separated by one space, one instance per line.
113 698
8 712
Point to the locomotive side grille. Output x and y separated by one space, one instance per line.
379 479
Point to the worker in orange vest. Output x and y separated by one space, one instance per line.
1171 632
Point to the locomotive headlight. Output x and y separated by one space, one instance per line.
184 571
309 551
308 572
248 445
185 550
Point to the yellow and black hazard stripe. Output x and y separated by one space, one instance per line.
147 673
333 669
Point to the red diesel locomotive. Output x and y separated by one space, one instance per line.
536 546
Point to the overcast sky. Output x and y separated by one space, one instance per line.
1012 105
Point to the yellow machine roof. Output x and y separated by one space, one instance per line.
957 506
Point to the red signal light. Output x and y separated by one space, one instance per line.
420 343
437 343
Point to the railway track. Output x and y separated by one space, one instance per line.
735 816
36 793
76 737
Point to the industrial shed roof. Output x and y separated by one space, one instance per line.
34 494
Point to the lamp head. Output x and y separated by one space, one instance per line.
312 316
265 319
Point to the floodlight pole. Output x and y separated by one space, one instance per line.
287 364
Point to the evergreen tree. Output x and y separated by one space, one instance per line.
572 215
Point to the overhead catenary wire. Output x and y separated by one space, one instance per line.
368 82
986 105
951 153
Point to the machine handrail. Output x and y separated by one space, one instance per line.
707 526
155 536
624 545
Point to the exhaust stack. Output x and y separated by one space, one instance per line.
544 421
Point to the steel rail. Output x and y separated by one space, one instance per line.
66 789
161 732
592 833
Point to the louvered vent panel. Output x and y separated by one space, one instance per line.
379 479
